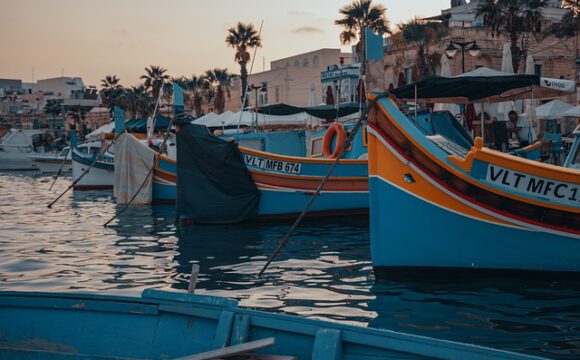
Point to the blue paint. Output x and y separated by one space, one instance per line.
75 326
447 239
374 44
479 169
119 119
178 104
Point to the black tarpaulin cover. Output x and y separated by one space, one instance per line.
213 183
326 112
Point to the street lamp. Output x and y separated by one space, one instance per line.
470 46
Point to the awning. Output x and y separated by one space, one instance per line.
140 125
325 112
483 85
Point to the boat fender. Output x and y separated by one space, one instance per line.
335 130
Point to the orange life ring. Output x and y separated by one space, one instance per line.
338 130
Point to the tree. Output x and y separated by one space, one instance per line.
243 38
111 91
358 15
514 18
422 35
219 80
154 78
54 107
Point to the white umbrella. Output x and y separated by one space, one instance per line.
574 112
446 72
507 66
555 109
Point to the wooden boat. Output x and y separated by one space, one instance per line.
168 325
90 155
53 163
439 205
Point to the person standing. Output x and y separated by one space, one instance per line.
522 128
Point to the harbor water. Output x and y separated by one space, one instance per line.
324 272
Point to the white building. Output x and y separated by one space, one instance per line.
64 87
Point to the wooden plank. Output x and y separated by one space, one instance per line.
327 345
231 350
223 330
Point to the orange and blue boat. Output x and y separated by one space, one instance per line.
441 203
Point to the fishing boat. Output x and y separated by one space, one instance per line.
171 325
53 162
17 145
438 204
92 166
573 158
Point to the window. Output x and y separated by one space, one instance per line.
276 95
296 63
305 62
538 69
316 62
316 147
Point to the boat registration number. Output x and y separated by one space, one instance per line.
547 189
273 165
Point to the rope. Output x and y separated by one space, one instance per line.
322 182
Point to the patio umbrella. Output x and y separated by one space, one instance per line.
574 112
555 109
446 72
507 66
529 105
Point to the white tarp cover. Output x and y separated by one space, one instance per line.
574 112
247 118
133 162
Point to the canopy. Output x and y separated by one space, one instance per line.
484 85
555 109
574 112
326 112
107 128
140 125
247 118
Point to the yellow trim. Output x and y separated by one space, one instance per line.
298 158
308 177
486 155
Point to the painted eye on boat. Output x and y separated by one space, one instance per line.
409 178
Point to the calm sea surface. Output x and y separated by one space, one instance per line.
325 272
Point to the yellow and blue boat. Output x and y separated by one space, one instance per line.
438 203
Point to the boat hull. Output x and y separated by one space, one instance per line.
428 214
99 177
16 161
165 325
52 165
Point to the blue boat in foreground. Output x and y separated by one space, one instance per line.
169 325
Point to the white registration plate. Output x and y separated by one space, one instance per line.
287 167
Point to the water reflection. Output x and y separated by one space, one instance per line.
324 272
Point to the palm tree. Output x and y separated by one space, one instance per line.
220 81
243 37
357 16
54 107
514 18
111 91
154 78
422 35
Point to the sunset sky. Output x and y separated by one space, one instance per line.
94 38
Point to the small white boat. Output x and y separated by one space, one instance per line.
17 145
100 175
53 163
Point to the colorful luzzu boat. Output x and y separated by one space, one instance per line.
437 205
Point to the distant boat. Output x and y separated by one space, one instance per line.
17 145
100 175
170 325
53 162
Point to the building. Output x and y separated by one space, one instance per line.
553 57
295 80
10 86
63 87
346 78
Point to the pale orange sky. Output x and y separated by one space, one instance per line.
92 39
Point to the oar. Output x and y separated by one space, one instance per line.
84 172
322 183
59 170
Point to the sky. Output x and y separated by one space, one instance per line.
46 38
